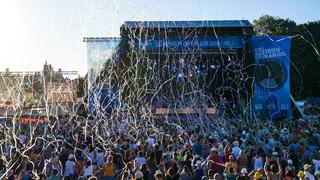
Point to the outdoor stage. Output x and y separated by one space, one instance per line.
190 67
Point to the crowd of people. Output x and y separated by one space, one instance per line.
79 149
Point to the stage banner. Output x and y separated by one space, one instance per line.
100 51
271 97
185 43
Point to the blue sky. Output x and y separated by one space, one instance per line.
33 31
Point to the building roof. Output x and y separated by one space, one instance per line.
100 39
186 24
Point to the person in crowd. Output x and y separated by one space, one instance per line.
258 161
242 160
69 172
139 160
217 176
92 155
100 157
56 164
227 151
209 176
198 171
28 174
88 169
229 173
214 161
79 167
307 168
236 149
275 172
138 175
54 175
151 162
316 163
257 174
290 168
162 168
109 169
187 159
171 174
159 175
125 175
232 163
244 174
170 154
146 172
185 174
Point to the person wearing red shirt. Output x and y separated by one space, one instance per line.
214 161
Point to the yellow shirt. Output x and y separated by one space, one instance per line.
234 165
109 169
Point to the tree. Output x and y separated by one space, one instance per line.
270 25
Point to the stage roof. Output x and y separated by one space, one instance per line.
186 24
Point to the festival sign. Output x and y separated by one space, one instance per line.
271 97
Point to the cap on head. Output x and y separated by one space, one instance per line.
244 171
306 167
138 175
158 172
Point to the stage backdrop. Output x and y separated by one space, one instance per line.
271 97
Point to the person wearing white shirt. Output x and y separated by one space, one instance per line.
307 172
316 164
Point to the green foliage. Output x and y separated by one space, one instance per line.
269 25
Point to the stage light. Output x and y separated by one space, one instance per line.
180 75
230 61
201 70
214 66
